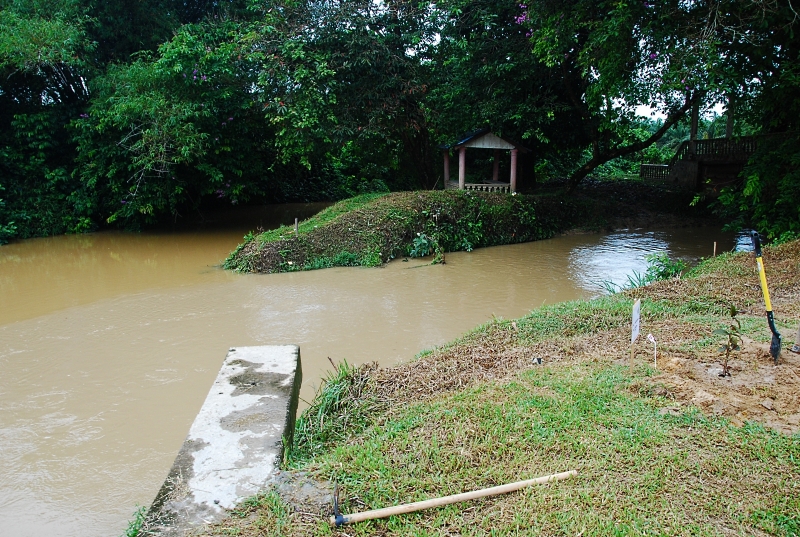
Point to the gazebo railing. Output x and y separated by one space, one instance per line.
479 187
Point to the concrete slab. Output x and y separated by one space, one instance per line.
236 442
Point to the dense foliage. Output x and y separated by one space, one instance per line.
129 113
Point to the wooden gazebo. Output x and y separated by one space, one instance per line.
482 139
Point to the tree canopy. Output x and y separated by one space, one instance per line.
127 113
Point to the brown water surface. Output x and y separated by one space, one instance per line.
109 343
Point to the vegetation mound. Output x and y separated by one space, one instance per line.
372 229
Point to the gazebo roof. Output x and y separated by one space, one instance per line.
485 139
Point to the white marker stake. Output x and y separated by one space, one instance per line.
635 326
652 340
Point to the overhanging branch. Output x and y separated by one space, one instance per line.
601 158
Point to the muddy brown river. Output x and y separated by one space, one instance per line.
109 342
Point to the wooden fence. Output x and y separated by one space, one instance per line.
488 188
654 171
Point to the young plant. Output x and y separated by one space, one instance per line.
733 334
421 246
661 267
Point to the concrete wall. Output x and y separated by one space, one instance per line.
237 440
685 174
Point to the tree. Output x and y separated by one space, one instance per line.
359 77
615 56
43 50
58 56
485 75
172 127
763 65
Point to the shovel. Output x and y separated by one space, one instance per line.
775 345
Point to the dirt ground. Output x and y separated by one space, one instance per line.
757 390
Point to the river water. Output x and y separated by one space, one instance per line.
109 342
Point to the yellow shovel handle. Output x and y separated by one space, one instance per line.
763 277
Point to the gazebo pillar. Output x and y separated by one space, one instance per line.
496 166
462 167
446 154
513 179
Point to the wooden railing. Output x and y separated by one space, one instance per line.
722 150
723 147
506 188
717 147
654 171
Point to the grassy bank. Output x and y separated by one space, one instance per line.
672 449
372 229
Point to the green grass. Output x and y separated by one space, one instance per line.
584 317
135 525
342 408
720 264
324 217
640 472
320 219
371 229
268 514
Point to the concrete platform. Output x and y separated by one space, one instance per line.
236 442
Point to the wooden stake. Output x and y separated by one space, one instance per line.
447 500
296 228
635 325
630 364
715 248
651 338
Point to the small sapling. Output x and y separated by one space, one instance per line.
733 335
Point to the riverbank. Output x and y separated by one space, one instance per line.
372 229
667 448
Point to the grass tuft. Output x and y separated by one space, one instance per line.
135 525
342 407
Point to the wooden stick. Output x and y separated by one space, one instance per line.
447 500
630 362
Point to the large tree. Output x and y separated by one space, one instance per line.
376 79
763 66
613 57
485 75
53 57
44 51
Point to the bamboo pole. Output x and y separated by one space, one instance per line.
447 500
